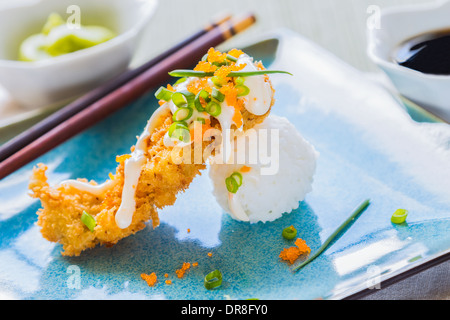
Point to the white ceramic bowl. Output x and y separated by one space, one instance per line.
47 82
401 23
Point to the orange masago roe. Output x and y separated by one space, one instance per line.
293 253
218 64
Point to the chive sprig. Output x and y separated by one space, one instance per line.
327 242
182 73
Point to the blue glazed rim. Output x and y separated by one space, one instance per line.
402 276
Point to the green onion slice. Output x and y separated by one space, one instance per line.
219 64
213 108
232 185
218 81
238 177
202 120
181 80
179 99
203 94
181 133
289 233
88 221
183 98
177 125
201 74
233 182
239 80
216 94
242 90
213 280
399 216
182 114
163 94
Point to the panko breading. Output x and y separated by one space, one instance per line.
159 183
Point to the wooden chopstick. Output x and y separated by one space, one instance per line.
125 94
20 141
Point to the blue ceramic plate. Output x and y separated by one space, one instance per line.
369 146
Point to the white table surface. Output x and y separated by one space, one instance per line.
337 25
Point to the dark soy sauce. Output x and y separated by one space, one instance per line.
427 53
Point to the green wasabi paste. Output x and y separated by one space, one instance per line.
56 39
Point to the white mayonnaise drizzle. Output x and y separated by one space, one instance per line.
236 208
132 169
233 201
225 120
97 190
259 99
132 172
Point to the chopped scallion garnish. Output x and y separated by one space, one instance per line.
233 182
238 177
239 80
216 94
399 216
219 82
242 90
163 94
181 80
213 280
183 98
179 100
182 114
231 185
289 233
202 120
219 64
203 94
176 125
182 134
213 108
88 221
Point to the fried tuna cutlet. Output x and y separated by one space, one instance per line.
159 183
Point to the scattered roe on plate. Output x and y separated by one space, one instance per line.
293 253
150 278
180 272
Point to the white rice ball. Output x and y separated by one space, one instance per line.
275 184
